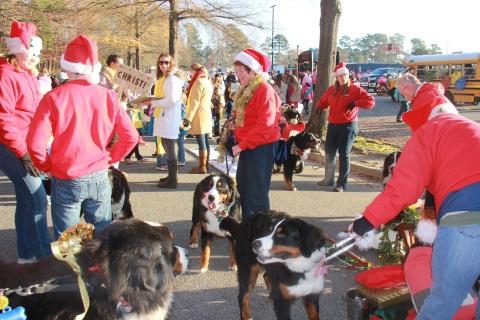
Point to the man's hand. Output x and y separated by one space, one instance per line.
350 106
28 165
236 150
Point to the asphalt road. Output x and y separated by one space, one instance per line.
213 295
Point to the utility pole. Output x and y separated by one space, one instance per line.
273 27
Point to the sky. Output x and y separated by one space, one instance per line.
452 25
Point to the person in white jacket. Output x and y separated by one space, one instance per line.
168 87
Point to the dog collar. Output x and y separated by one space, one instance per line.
221 215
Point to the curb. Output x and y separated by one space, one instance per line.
319 157
355 167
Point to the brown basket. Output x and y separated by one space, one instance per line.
382 298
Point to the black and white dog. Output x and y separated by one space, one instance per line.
128 268
298 148
388 164
291 252
216 205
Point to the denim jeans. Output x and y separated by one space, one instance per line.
90 194
203 143
455 268
254 173
181 147
33 238
339 137
162 160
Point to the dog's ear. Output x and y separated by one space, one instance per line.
232 186
311 237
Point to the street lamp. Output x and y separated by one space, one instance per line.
273 26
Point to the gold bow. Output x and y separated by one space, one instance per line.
65 248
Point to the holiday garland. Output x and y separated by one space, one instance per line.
243 96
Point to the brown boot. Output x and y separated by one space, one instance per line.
171 181
202 163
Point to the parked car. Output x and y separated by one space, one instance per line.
369 81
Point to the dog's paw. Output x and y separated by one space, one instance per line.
233 268
204 269
193 245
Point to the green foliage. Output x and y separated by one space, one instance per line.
280 47
391 249
373 145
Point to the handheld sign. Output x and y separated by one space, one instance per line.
132 81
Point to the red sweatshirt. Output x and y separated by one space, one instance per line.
339 114
261 119
442 156
82 118
19 97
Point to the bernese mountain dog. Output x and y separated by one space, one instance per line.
298 148
388 164
128 269
292 254
216 206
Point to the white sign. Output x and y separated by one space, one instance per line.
133 81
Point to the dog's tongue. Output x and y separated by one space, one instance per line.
212 206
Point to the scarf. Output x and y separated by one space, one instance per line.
243 97
198 74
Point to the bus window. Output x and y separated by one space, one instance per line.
421 73
469 71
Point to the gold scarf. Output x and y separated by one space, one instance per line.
243 97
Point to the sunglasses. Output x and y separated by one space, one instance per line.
164 62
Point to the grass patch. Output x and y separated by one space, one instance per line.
373 145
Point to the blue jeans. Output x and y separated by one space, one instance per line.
455 268
203 143
339 137
181 147
254 173
33 238
90 194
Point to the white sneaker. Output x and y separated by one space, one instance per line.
181 164
162 168
26 261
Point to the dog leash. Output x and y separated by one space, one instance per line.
339 248
52 285
68 244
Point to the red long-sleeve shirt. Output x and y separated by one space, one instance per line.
339 114
261 117
442 156
82 118
19 97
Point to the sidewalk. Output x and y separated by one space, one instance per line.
365 164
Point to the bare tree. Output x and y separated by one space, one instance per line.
330 16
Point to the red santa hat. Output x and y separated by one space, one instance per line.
340 69
23 39
254 59
81 56
437 105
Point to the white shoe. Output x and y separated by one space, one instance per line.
162 168
26 261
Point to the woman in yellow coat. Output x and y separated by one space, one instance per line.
199 113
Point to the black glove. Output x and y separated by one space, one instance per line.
362 226
350 106
28 165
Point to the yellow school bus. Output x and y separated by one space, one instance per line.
458 72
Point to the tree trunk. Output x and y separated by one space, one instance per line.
330 15
137 38
172 28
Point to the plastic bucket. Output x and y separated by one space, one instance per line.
356 304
